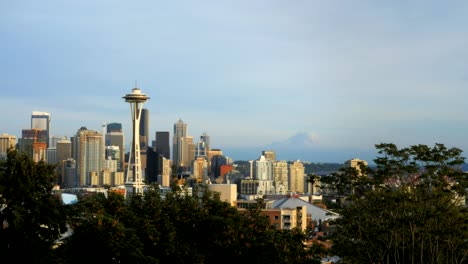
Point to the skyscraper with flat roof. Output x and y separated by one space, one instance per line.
114 127
280 176
63 148
33 143
203 147
144 136
6 142
115 137
162 144
69 173
41 121
269 155
296 177
89 154
358 164
188 152
144 128
180 131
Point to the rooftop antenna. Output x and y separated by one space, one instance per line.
136 84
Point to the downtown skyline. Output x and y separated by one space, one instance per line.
333 77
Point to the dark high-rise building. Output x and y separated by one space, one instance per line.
154 165
64 152
144 128
144 136
114 127
69 173
162 144
216 162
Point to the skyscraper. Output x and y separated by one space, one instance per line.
262 170
6 142
280 176
114 127
69 173
200 169
115 137
112 155
51 156
144 136
134 180
203 146
357 163
33 143
269 155
216 162
180 131
296 177
41 121
54 139
63 148
187 154
144 128
162 144
89 153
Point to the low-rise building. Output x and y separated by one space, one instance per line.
228 192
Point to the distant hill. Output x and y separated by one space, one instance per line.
322 168
311 167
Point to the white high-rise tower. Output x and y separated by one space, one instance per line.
134 178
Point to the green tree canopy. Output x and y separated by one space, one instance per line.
178 228
414 212
31 218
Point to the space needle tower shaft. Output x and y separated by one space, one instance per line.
134 177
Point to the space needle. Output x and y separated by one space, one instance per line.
134 178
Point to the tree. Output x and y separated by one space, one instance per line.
101 229
179 228
347 181
32 218
413 214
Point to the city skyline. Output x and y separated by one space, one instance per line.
334 78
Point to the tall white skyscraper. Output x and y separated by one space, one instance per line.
262 170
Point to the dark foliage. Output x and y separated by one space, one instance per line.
177 229
413 212
31 219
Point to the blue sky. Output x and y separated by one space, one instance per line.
332 77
